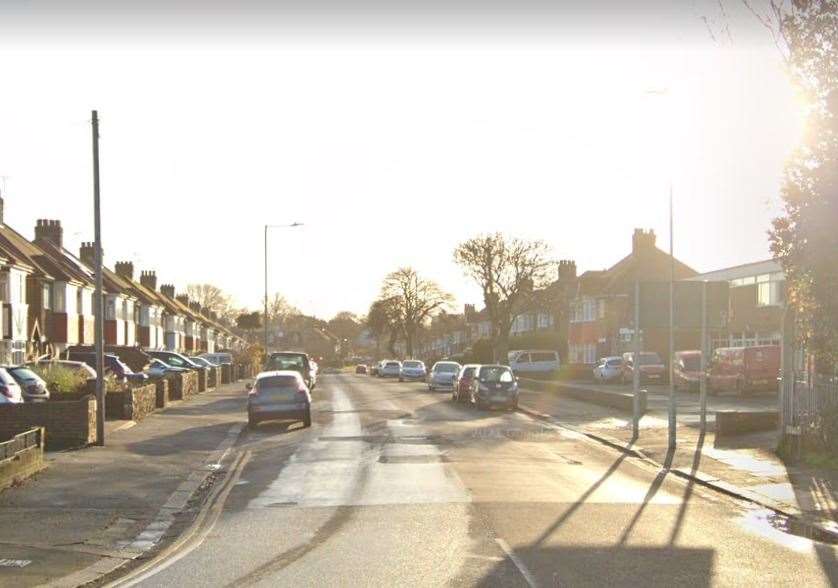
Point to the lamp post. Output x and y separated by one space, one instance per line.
292 225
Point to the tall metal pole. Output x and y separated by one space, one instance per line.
266 291
702 381
98 304
636 364
672 398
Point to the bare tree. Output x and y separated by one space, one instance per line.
507 271
415 300
213 299
382 321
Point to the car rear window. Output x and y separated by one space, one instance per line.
273 382
614 362
496 374
446 368
392 364
649 359
287 362
468 372
412 364
542 357
24 373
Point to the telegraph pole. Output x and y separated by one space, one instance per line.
635 372
98 305
672 398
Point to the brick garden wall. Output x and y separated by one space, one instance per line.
162 391
69 423
183 385
133 404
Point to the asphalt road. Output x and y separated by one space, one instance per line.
395 485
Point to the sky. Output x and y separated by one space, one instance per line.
392 131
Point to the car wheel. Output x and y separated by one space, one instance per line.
431 388
252 423
307 419
514 405
401 379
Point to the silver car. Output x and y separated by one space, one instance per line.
33 387
412 369
10 392
443 375
391 369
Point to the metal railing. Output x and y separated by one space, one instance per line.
806 400
20 442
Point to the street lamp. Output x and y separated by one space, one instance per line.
291 226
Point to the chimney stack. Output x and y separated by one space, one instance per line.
49 231
184 298
87 254
567 270
168 290
125 269
642 241
195 307
149 280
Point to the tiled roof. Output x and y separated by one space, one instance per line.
22 251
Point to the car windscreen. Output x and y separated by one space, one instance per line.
546 356
614 362
468 372
446 368
496 374
412 364
392 364
650 359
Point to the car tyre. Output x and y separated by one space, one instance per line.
431 388
252 423
401 379
307 419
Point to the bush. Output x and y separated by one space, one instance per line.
59 379
827 431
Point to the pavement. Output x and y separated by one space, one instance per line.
745 464
96 508
395 485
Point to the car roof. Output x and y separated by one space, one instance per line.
494 365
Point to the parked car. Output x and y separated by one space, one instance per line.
278 394
652 368
686 370
176 360
158 369
744 369
87 372
609 369
203 362
390 369
413 369
443 375
534 362
113 365
10 392
294 360
494 385
220 358
32 386
462 384
360 369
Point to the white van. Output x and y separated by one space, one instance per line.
534 361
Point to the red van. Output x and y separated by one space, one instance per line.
744 369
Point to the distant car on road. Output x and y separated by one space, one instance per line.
278 394
10 391
494 385
297 361
462 384
32 386
442 375
686 370
390 369
534 362
744 369
413 369
652 368
360 369
609 369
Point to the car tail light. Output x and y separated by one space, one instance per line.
301 394
6 391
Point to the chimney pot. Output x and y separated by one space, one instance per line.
49 231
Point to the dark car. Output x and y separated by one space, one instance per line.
113 365
462 383
296 361
494 385
32 386
278 395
